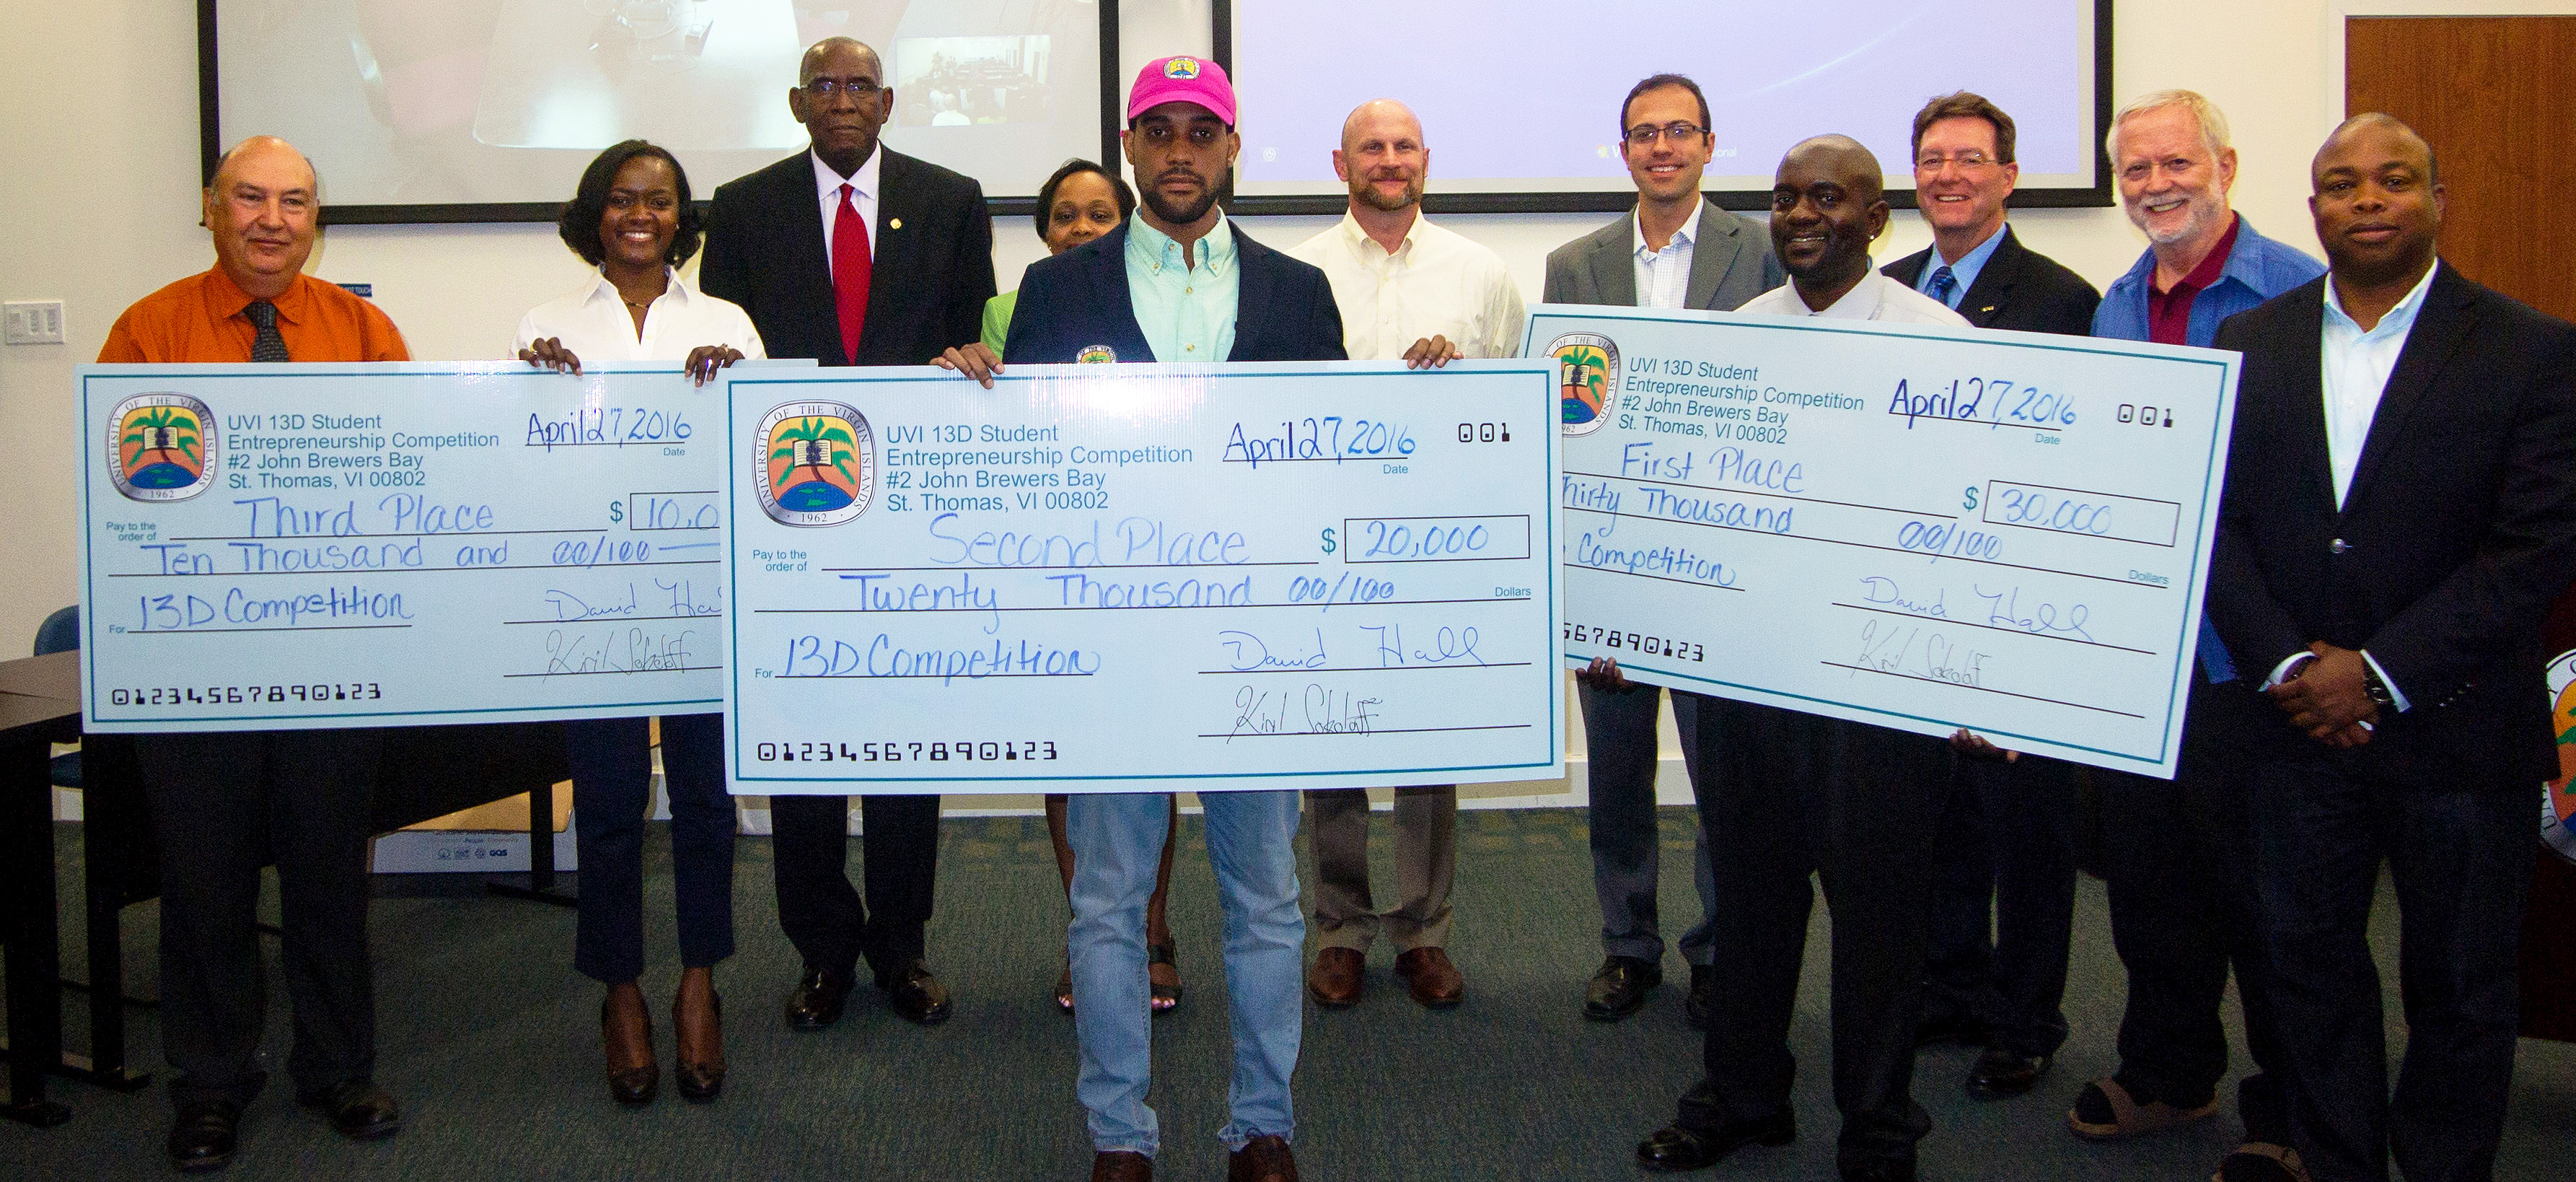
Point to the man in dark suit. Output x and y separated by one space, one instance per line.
1179 282
1675 251
853 254
2400 512
2008 829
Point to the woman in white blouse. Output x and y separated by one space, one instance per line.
631 218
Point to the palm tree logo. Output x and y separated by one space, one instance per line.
1587 379
817 463
160 448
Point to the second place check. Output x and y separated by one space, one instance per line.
1127 578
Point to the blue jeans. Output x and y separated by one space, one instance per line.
1117 842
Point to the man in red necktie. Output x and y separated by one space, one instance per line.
853 254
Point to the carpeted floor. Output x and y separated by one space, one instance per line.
490 1041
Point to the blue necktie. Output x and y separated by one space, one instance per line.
1944 284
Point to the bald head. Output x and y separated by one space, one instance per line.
264 209
2376 125
1828 203
1382 157
2378 208
820 58
1844 159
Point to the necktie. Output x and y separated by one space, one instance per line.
850 270
1944 283
269 345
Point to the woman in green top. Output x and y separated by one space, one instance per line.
1079 203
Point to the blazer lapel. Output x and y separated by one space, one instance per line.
1994 282
1109 290
1713 253
894 254
1253 284
2304 389
1614 267
809 261
2440 325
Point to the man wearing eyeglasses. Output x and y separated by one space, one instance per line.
853 254
1675 251
2007 832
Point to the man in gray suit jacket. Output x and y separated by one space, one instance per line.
1676 251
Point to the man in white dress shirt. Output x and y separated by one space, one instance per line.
1828 203
1408 290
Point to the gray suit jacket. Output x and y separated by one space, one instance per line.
1731 262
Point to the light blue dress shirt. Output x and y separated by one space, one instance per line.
1187 311
1965 270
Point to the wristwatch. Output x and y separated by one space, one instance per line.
2372 684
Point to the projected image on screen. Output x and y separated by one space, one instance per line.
1523 95
474 102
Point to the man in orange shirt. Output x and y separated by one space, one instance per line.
224 804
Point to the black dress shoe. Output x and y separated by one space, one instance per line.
357 1108
1703 985
915 995
202 1138
1673 1148
816 1001
2000 1073
1899 1169
1619 986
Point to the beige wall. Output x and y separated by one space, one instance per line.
101 149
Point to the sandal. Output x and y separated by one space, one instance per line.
1166 998
1064 991
2129 1118
2261 1161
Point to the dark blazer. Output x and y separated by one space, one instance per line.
2018 288
1284 309
1731 262
927 281
2457 534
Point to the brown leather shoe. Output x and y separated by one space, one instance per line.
697 1017
1121 1167
1335 979
1434 982
1265 1159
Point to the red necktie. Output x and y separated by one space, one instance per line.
851 268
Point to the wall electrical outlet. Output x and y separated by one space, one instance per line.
34 322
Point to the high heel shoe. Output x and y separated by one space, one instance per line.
702 1078
630 1086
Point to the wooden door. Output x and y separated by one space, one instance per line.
2493 97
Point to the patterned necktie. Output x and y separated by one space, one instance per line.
850 271
270 345
1943 283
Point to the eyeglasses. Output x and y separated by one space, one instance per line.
1967 162
1643 135
857 88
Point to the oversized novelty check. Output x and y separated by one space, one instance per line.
1143 577
284 546
1916 527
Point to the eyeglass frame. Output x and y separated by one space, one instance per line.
1968 161
827 89
1678 131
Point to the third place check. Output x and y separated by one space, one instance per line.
1125 578
1920 528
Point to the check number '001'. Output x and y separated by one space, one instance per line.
1642 645
910 751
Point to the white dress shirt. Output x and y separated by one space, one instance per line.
1877 297
1663 276
2356 366
592 322
1437 283
864 193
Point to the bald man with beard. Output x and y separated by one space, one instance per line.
1787 795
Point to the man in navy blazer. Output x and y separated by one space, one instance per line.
1180 283
851 253
2400 512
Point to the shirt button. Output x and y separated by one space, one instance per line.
1188 290
2338 546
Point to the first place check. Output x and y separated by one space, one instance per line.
1143 578
300 546
1921 528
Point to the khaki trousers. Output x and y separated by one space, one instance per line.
1426 863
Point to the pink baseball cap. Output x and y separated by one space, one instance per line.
1182 79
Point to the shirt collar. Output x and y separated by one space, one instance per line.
1155 248
604 290
1975 260
1681 236
1367 249
226 299
1860 303
2398 322
2213 268
827 183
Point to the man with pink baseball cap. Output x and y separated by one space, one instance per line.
1167 286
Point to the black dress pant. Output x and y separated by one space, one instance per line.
828 922
2003 905
2178 862
1792 795
612 785
2461 859
224 805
